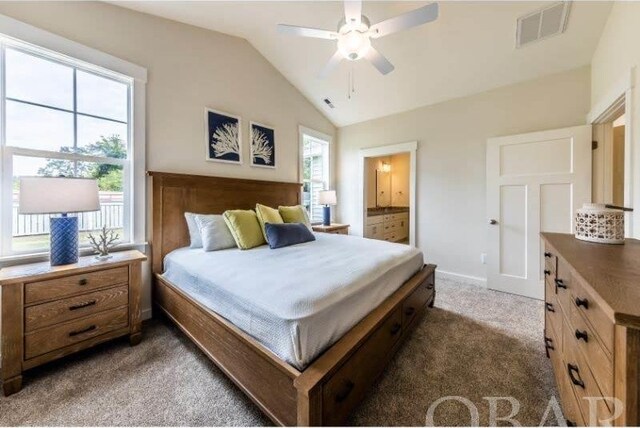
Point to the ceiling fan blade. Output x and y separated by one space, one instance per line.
353 11
331 65
317 33
405 21
380 62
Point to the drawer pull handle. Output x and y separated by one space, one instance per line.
582 335
550 307
547 272
560 283
409 311
571 423
582 302
571 368
83 281
548 346
84 330
346 390
396 328
547 255
82 305
429 286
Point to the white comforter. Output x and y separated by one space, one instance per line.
297 300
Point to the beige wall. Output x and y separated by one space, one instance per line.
451 222
617 53
188 68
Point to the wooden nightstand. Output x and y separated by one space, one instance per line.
49 312
339 229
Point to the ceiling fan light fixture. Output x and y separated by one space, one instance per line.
353 45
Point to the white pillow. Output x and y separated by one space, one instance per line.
194 230
214 232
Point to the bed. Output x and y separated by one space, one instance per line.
349 301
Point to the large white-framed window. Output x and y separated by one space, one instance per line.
315 154
63 115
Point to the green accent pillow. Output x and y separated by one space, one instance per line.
267 215
245 228
295 214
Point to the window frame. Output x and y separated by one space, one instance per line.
304 132
33 41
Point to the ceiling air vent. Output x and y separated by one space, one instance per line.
328 102
546 22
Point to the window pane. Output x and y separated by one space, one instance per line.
39 128
100 96
315 169
31 232
30 78
99 137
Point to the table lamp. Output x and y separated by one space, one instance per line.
327 198
60 195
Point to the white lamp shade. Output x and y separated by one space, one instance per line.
56 195
327 197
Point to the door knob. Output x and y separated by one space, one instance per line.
493 221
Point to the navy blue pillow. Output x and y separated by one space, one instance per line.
285 234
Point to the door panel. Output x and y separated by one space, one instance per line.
535 182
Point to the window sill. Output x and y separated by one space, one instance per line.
21 259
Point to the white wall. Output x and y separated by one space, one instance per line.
188 68
451 222
617 53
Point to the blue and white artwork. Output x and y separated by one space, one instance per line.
263 145
223 137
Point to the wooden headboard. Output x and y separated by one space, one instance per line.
175 194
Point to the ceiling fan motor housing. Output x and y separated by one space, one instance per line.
353 39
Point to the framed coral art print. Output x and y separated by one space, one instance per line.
224 142
263 145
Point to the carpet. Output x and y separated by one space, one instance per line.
474 344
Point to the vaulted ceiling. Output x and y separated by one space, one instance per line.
469 49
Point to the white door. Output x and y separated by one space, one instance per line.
535 182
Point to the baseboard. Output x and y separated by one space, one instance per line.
146 314
467 279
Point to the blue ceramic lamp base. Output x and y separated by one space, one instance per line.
64 240
326 215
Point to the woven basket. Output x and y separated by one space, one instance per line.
597 223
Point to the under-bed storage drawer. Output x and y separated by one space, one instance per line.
351 382
416 302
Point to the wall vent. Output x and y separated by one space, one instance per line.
541 24
328 102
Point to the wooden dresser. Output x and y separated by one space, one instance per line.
49 312
592 328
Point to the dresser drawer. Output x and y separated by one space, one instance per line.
553 324
580 377
568 399
352 380
595 316
61 335
396 217
592 350
74 284
376 219
566 286
415 303
51 313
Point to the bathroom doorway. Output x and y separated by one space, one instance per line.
388 183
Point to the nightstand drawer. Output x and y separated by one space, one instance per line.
74 284
69 333
47 314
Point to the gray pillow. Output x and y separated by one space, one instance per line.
214 232
194 230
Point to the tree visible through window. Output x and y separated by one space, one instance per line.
63 118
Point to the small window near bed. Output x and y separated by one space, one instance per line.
315 171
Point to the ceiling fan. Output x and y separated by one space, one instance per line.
355 32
